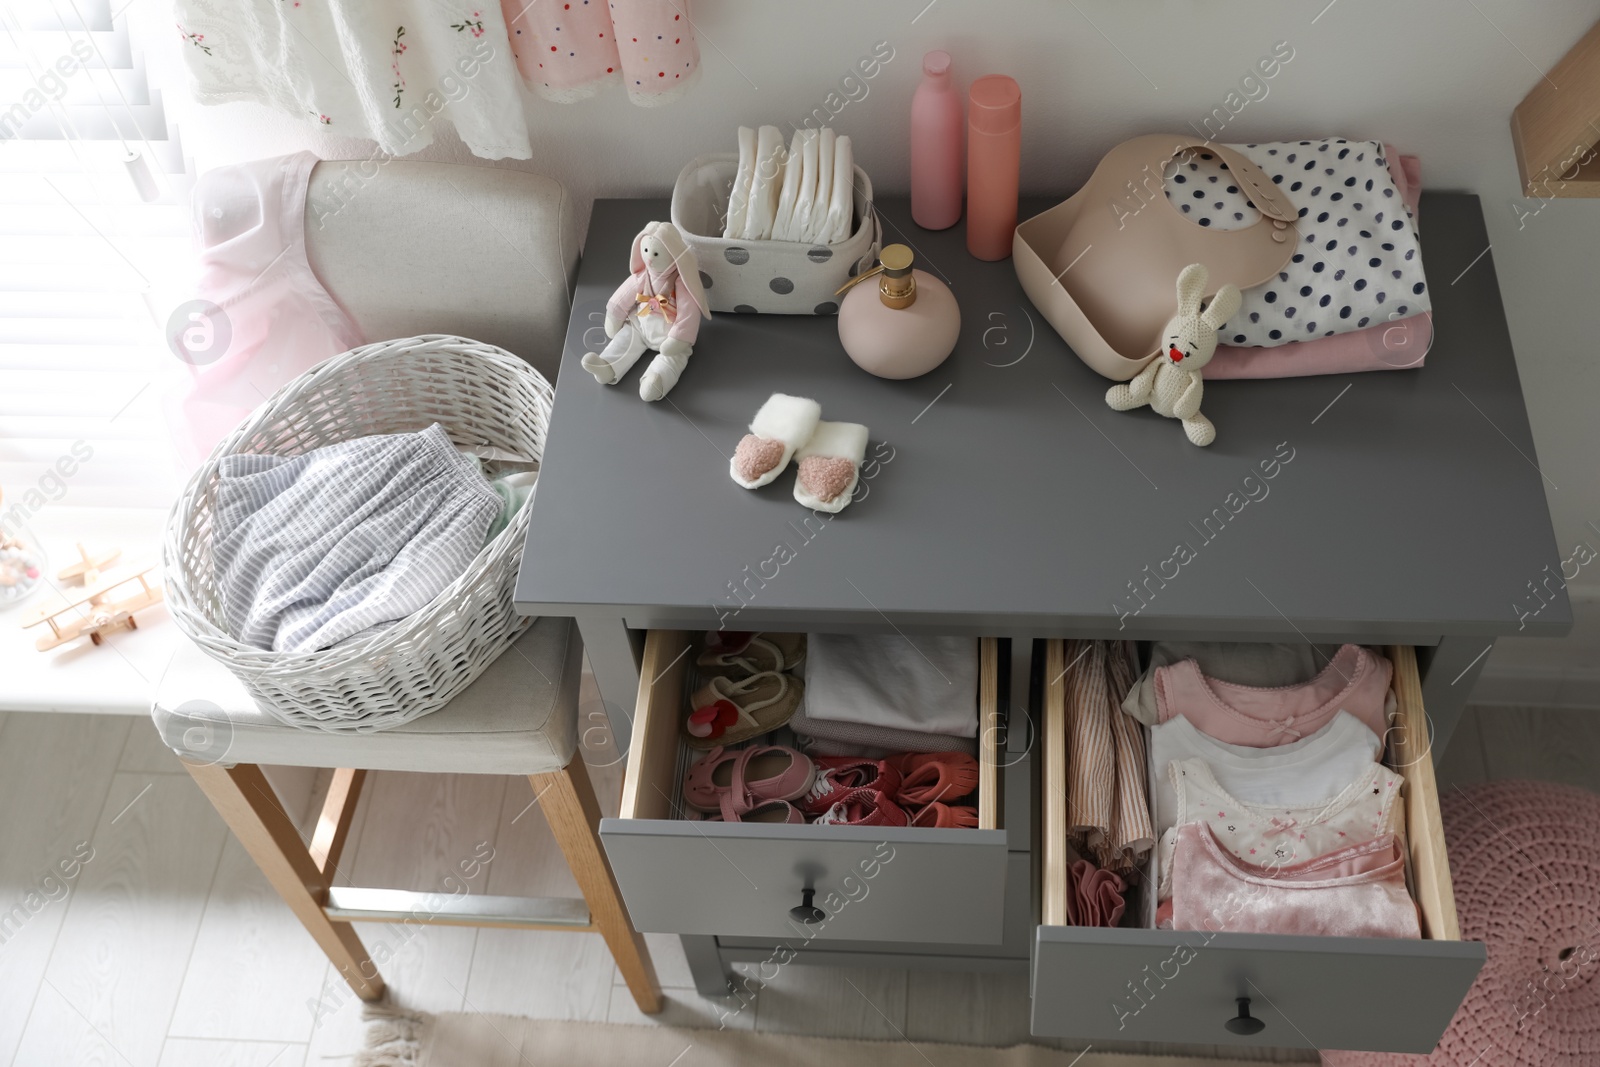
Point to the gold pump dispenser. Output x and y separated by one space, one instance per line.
897 284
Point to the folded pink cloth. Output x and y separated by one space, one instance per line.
1358 891
1394 345
1094 895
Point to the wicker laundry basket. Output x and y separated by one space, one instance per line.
488 401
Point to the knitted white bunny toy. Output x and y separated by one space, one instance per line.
1171 383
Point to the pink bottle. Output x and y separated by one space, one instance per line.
994 161
936 146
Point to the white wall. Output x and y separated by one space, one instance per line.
1437 77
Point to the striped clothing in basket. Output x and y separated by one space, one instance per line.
312 550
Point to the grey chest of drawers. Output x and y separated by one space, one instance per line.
1405 509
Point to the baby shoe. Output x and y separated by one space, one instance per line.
725 712
737 654
742 779
780 811
927 777
943 815
864 807
783 424
840 776
830 465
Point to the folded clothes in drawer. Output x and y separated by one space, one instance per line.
1311 949
875 693
807 851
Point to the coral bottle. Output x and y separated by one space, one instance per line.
936 146
994 162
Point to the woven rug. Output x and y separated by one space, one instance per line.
1525 861
477 1040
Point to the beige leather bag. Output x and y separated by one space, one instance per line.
1101 265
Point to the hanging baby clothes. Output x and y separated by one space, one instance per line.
1355 680
1108 813
568 50
261 317
1281 834
363 69
1355 891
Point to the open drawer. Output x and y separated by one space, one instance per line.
1309 992
749 879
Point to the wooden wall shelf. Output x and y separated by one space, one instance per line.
1556 128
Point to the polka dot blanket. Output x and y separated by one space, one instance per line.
1359 262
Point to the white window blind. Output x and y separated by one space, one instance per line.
88 267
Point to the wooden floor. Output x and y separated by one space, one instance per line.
169 950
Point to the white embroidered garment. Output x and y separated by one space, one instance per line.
1316 766
1282 834
1359 260
381 69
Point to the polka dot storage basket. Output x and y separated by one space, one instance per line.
490 403
1525 862
770 277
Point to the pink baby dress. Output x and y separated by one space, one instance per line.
1355 891
568 50
1285 834
1355 680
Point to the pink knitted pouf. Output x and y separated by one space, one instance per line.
1525 860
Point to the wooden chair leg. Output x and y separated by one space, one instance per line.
567 797
245 800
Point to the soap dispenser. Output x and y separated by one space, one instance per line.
904 326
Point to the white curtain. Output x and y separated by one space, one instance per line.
382 69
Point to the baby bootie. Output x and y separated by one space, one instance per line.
783 424
830 465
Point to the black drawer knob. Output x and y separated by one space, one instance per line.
807 912
1244 1022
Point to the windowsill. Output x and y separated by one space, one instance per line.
118 677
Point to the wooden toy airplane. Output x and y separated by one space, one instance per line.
97 611
87 571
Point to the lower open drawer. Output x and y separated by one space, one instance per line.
743 879
1310 992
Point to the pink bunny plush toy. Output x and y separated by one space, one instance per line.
658 307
